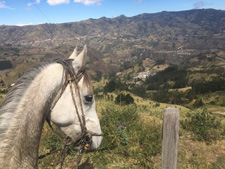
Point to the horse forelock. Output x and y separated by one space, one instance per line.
87 81
67 65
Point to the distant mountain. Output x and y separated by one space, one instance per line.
170 36
197 29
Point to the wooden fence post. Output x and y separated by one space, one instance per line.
170 138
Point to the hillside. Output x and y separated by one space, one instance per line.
194 38
171 36
194 29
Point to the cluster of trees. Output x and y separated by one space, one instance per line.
172 77
124 99
5 64
98 76
163 87
114 85
118 85
208 86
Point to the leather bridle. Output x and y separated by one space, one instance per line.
84 141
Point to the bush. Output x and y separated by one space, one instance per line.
110 86
198 103
113 85
204 125
139 91
124 99
125 135
113 131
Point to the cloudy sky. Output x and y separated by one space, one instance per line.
24 12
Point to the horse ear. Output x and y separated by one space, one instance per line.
74 54
78 61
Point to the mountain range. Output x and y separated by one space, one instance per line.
193 37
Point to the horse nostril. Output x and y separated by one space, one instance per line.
88 98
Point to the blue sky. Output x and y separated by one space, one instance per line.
23 12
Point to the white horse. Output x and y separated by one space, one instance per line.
40 94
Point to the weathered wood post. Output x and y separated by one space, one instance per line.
170 138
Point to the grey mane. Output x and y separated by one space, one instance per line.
10 103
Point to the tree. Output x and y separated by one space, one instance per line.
98 76
198 103
110 86
139 91
124 99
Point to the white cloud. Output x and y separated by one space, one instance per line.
21 24
3 5
200 4
36 2
85 2
89 2
57 2
137 1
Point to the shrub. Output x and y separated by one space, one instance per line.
198 103
124 99
110 86
125 135
139 91
157 104
204 125
115 134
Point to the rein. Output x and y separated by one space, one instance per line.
84 141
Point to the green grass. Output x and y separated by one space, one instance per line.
132 139
127 138
204 125
138 144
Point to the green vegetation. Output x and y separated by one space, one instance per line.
166 86
132 138
208 86
131 120
172 77
5 64
204 125
114 85
124 99
126 136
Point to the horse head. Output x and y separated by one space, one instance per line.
75 108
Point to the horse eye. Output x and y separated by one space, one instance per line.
88 98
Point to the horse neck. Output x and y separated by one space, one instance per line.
20 146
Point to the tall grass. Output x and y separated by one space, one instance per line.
204 125
126 137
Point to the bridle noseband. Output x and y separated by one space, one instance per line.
84 141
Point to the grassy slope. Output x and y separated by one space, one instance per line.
192 154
